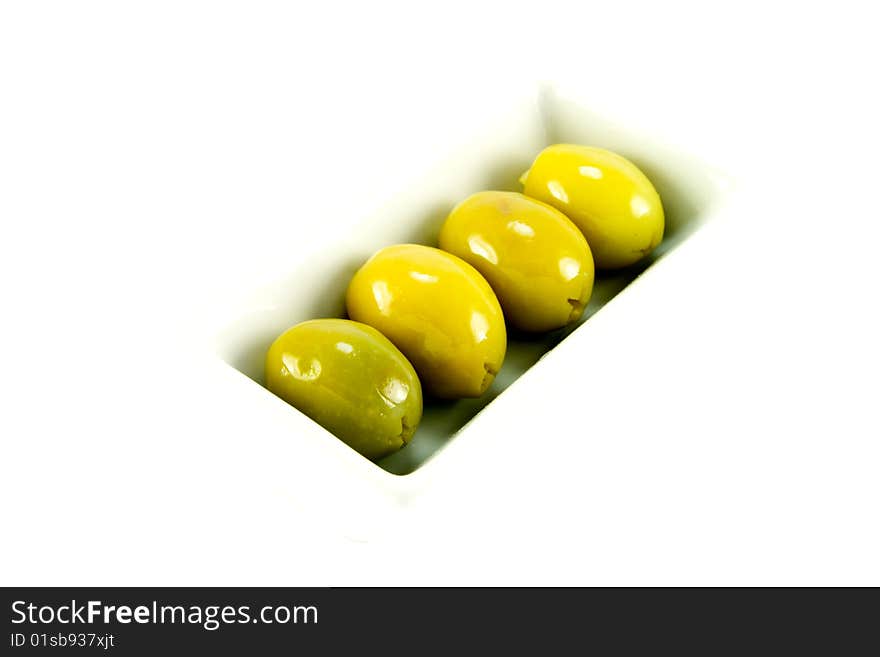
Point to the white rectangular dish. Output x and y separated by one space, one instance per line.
490 155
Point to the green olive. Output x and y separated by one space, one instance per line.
605 195
351 380
439 311
536 260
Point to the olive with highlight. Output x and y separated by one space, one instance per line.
351 380
533 256
439 311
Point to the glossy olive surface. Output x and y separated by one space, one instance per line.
351 380
607 196
439 311
536 260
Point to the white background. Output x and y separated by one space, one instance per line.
154 155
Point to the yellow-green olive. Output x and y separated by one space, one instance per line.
605 195
536 260
351 380
438 310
